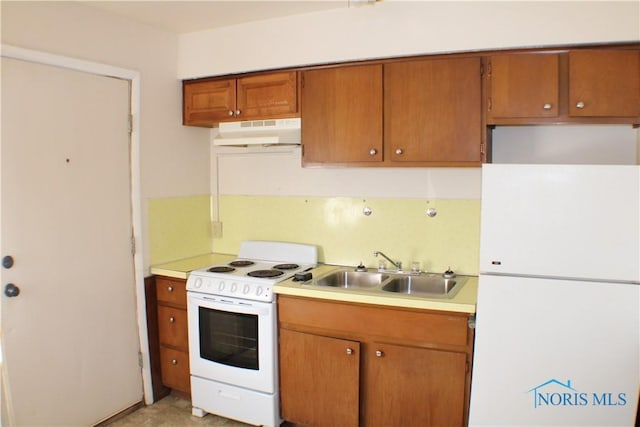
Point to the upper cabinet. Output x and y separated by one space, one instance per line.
578 86
430 111
604 83
523 86
341 110
208 102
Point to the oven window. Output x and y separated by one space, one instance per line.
229 338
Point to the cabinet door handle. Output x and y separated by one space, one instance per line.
237 112
174 362
580 105
547 106
172 319
379 353
373 152
349 351
398 151
170 288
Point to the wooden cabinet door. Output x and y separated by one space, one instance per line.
432 110
208 102
409 386
341 110
172 291
523 86
319 379
174 366
604 83
267 96
172 327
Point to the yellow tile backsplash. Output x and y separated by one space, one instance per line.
400 228
179 227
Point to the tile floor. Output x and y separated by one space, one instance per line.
172 412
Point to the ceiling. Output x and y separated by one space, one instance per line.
190 16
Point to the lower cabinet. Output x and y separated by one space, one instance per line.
173 334
360 365
319 379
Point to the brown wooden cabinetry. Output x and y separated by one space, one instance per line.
320 376
341 110
581 86
173 333
207 102
372 366
432 112
604 83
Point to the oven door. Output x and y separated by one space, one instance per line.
233 341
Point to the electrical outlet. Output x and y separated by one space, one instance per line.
216 229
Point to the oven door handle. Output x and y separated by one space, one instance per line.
231 306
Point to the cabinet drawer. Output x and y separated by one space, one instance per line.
172 327
174 366
427 327
172 291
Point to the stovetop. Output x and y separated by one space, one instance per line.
259 266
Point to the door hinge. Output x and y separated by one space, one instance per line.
133 245
482 148
302 81
140 359
130 124
471 322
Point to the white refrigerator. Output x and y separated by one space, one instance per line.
558 313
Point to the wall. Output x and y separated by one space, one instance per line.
401 27
175 159
266 195
269 196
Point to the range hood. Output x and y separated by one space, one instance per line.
259 132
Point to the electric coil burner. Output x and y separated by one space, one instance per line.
231 313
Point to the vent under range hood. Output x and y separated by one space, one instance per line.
259 132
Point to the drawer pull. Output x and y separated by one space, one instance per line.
349 351
172 319
170 288
174 362
379 353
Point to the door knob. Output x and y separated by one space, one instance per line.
7 261
11 290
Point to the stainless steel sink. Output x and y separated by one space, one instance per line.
350 279
424 285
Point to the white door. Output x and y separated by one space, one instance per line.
69 338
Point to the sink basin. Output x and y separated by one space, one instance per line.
350 279
424 285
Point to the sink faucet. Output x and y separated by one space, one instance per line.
397 264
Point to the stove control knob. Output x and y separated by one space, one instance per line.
259 290
197 283
246 289
221 286
234 287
